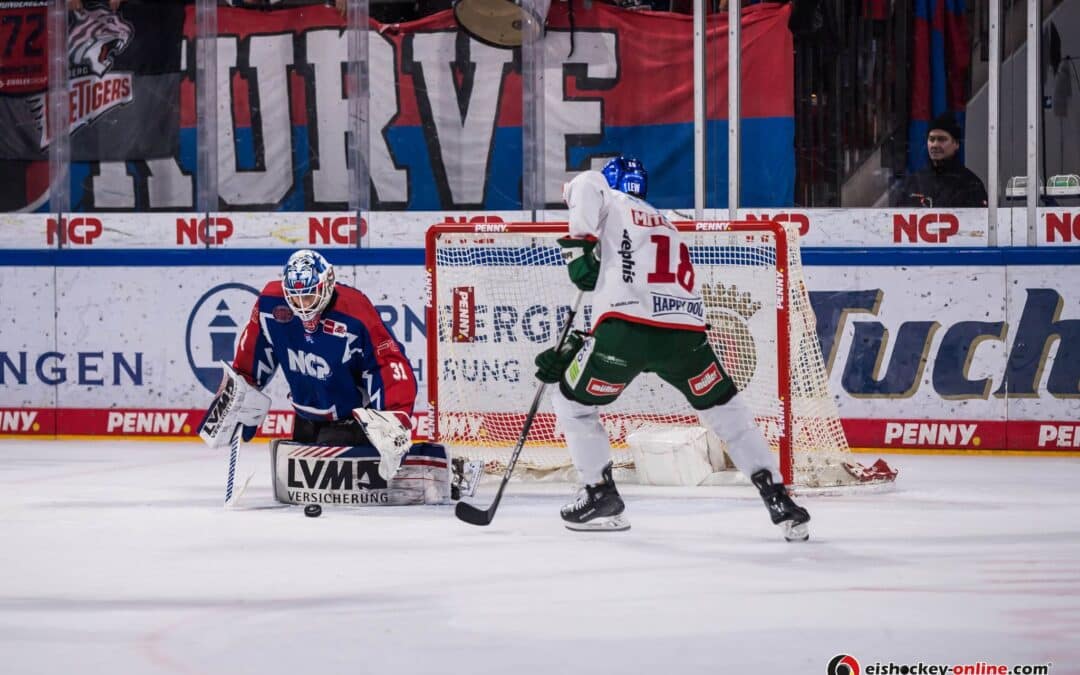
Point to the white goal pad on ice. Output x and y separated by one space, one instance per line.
498 293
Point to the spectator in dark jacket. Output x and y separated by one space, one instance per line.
945 182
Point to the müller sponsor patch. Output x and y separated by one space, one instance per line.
598 387
703 382
669 305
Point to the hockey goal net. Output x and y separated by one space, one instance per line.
498 294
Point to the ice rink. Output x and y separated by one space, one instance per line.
119 558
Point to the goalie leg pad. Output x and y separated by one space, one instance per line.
426 469
349 475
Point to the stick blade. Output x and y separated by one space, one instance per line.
231 502
472 515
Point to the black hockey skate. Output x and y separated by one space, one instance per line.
791 517
598 508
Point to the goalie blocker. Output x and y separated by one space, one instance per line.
349 475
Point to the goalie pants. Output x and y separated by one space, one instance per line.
328 432
615 354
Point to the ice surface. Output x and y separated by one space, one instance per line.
117 557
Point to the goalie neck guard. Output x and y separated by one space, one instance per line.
308 284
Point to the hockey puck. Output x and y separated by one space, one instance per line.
312 510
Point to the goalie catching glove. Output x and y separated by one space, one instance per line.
237 404
552 363
389 432
582 261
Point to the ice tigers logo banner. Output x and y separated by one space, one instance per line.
445 114
124 82
95 37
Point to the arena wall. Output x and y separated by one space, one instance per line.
933 338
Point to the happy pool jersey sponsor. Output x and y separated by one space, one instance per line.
666 305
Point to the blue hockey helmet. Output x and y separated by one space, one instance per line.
627 174
308 284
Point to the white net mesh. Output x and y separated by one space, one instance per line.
499 298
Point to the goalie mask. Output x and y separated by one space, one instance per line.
308 284
627 174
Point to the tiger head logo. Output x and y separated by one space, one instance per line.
95 37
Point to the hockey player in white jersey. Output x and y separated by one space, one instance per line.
649 317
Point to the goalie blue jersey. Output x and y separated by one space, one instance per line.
352 360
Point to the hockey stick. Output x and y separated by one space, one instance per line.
476 516
234 455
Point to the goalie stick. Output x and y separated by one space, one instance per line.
231 497
234 454
477 516
235 413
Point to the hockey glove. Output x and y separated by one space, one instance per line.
552 363
582 261
388 431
